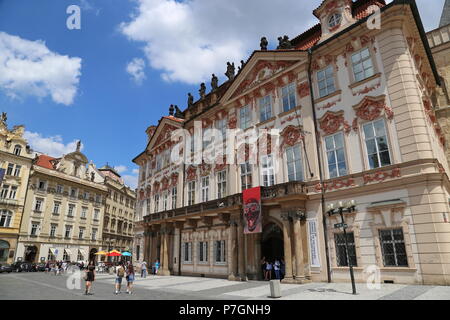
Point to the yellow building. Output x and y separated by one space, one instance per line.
15 164
63 216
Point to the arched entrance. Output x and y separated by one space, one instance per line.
30 253
4 251
272 242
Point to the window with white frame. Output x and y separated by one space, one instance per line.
38 204
221 184
288 97
17 150
165 201
156 203
59 189
68 231
159 162
96 214
265 108
267 170
245 117
393 248
246 176
5 218
34 228
4 192
220 251
81 233
17 170
187 252
94 234
362 65
191 193
334 20
205 189
377 144
13 192
56 207
53 228
84 211
203 251
335 150
71 210
325 81
10 169
221 125
174 197
294 163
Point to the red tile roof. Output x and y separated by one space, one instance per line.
45 161
174 119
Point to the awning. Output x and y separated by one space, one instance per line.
53 251
83 253
69 253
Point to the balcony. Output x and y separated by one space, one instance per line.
8 202
269 195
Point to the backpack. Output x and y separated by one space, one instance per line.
121 272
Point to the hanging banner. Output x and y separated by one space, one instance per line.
252 210
2 175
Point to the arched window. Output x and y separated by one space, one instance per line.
17 150
5 218
4 250
335 20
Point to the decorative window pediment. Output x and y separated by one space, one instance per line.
331 122
370 108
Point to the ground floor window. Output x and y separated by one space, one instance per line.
219 250
203 252
50 256
393 248
4 250
66 256
187 252
341 250
80 256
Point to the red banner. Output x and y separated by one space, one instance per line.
252 210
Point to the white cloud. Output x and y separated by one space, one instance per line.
120 169
135 171
52 146
30 68
136 69
188 41
131 181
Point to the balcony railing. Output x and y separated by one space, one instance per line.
267 193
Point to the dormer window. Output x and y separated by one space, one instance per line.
17 150
335 20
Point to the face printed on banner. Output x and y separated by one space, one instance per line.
251 213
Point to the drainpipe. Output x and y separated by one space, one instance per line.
316 131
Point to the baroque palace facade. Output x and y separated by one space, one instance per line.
355 105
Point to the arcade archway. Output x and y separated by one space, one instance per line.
30 254
272 246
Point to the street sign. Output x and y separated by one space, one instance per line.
340 225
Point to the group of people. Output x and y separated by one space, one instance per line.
56 267
272 269
155 267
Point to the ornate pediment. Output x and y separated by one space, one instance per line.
371 108
164 134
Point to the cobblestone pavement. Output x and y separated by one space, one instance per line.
43 286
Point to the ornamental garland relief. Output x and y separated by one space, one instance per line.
371 108
332 122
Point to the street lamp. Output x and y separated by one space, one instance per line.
347 207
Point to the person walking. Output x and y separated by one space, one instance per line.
269 267
144 269
119 276
276 268
157 265
263 266
90 277
130 277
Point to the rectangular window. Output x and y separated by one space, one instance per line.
191 193
41 185
245 117
246 176
336 155
12 193
34 228
174 197
38 205
187 252
67 232
221 125
4 192
71 210
294 163
341 250
10 169
377 144
205 189
362 65
96 214
288 97
53 230
267 171
56 206
59 189
393 248
219 251
17 171
84 212
94 234
221 184
203 252
165 201
5 218
265 108
73 193
81 233
325 80
156 203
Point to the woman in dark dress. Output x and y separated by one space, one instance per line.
90 277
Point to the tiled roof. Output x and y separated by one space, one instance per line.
45 161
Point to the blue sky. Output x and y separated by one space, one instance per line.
78 86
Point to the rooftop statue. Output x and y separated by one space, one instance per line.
178 113
284 43
171 110
264 43
79 146
214 82
230 71
4 117
190 100
202 90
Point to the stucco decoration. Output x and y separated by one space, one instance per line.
303 89
191 173
331 122
370 108
290 135
382 175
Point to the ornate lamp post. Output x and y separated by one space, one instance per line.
348 207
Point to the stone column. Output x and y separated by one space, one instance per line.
298 248
241 251
165 253
233 251
306 263
258 239
287 250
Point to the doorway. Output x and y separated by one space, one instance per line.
272 246
30 254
